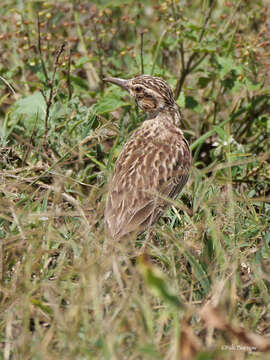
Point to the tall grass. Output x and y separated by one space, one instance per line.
202 291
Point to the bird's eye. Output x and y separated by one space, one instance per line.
138 89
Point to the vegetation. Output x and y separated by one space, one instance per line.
203 291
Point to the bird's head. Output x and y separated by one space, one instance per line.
152 94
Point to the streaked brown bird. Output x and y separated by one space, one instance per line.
153 165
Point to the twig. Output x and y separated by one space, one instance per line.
173 10
50 82
48 99
40 51
8 85
68 76
182 55
207 17
99 54
92 76
197 62
251 116
27 143
142 65
67 154
189 66
159 45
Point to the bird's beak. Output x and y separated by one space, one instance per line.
117 81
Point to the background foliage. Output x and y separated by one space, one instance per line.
205 290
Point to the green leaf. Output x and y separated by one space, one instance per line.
181 101
252 86
221 132
203 82
43 307
268 125
31 110
227 65
193 104
108 103
31 105
81 83
207 48
157 283
81 61
193 27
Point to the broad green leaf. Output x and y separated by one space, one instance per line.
31 105
31 110
203 82
181 101
81 83
81 61
228 64
193 104
108 103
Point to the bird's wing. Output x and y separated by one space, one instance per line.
146 173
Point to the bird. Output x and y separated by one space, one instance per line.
153 165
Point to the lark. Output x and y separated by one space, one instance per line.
154 164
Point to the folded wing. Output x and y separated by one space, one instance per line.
147 172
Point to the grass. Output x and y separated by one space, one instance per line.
202 292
